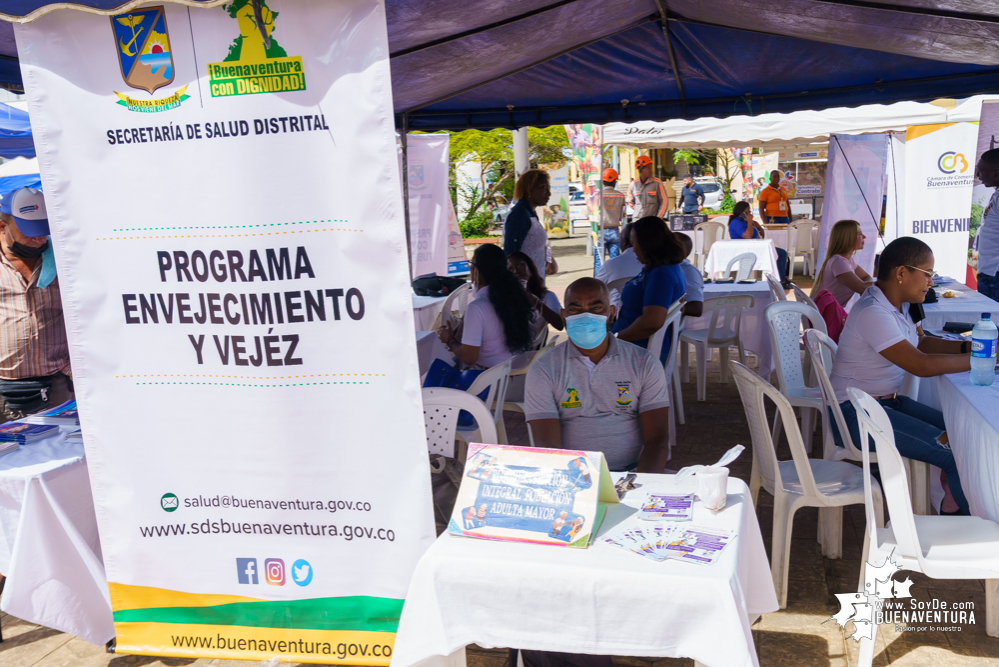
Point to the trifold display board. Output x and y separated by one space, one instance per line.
227 217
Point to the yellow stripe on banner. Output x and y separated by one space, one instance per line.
917 131
230 642
125 596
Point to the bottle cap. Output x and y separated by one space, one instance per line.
986 316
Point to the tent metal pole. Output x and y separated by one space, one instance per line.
405 188
661 5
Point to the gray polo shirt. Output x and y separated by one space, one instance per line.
598 404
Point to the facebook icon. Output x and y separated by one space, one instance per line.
246 570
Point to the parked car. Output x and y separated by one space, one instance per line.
713 192
577 209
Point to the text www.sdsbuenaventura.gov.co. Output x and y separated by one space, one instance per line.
223 527
300 647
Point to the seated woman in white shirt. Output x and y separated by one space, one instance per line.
498 323
542 299
880 344
839 273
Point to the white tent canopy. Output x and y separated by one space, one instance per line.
19 166
777 130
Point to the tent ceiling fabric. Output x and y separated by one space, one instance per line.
511 63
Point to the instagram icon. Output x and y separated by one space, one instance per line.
274 571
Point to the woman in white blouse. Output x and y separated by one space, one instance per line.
880 344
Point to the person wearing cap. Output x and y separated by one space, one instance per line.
647 196
34 354
611 215
691 197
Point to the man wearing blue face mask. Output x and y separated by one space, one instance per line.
598 393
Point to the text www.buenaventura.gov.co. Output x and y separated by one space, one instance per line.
341 650
223 527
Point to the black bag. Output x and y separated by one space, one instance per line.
434 285
27 395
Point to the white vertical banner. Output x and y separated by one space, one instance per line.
557 221
457 260
227 214
939 171
855 188
895 188
988 139
428 158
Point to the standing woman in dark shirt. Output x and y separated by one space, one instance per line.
522 231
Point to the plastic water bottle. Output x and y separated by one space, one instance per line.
983 351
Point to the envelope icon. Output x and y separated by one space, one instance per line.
169 502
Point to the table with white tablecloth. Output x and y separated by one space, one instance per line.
722 252
778 233
425 311
600 600
968 306
755 335
972 417
50 551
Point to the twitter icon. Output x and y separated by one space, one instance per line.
301 572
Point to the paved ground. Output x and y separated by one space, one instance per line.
800 635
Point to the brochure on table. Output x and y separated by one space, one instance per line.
528 494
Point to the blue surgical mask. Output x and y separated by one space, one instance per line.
586 330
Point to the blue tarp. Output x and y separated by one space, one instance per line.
511 63
15 133
8 183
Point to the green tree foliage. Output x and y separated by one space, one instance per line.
494 151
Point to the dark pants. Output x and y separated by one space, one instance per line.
782 263
553 659
989 285
916 427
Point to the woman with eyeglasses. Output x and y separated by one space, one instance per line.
839 273
880 344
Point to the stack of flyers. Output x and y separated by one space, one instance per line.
691 544
75 436
664 507
25 434
651 541
700 544
65 414
8 447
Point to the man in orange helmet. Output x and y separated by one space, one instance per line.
611 215
647 194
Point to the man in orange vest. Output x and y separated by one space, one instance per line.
647 194
611 215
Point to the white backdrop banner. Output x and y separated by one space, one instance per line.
429 199
939 170
988 139
227 215
854 190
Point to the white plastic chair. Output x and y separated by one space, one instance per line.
674 318
454 306
784 320
440 417
800 482
619 284
710 233
776 289
803 247
941 547
746 262
514 400
822 351
723 331
801 297
495 380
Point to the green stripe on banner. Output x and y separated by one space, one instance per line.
341 613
